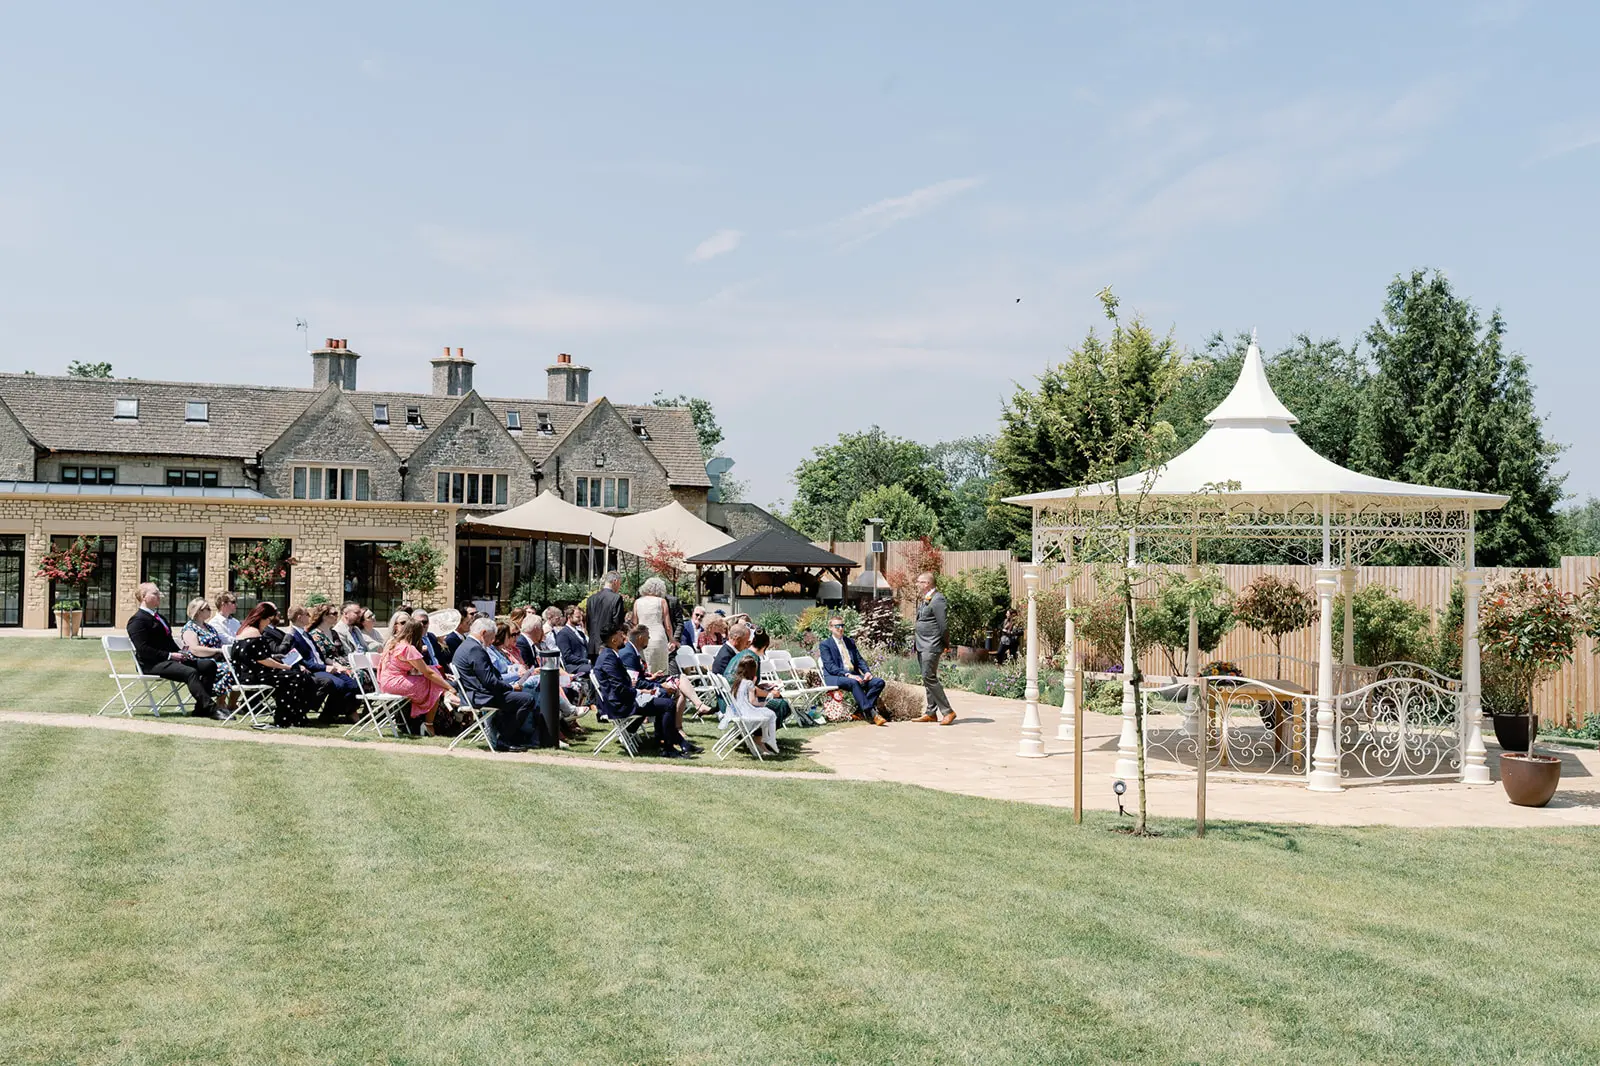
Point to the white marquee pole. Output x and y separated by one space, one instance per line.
1325 759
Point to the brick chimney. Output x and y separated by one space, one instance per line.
334 364
566 380
452 376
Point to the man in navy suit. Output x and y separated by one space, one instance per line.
843 667
434 652
574 650
336 684
620 698
516 724
691 631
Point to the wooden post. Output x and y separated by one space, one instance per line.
1203 738
1077 749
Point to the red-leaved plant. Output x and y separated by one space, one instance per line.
72 566
1530 627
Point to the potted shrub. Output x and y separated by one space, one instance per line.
72 566
1274 607
1529 627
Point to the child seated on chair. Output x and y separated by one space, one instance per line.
750 703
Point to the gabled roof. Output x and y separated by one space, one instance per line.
1252 442
771 547
328 399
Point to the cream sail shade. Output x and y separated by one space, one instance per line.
547 517
673 524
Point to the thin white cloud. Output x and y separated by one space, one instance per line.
877 218
372 67
1566 137
719 243
465 249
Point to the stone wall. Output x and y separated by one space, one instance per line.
693 500
607 433
318 532
146 469
470 438
331 432
16 450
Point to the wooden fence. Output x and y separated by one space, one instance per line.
1564 699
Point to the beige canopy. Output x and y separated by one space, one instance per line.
546 517
674 525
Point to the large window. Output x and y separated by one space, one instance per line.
586 564
88 475
472 487
609 494
13 549
332 483
191 479
478 572
277 592
366 577
100 597
178 565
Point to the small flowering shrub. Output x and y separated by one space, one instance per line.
1530 628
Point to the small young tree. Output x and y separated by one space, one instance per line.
1166 619
1275 607
1530 628
414 565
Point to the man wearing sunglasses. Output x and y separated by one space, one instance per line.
843 667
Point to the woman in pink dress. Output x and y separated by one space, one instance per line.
403 672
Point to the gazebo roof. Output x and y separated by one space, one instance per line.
1251 441
773 547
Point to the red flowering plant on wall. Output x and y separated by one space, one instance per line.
72 567
263 564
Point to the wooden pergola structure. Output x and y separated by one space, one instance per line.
770 550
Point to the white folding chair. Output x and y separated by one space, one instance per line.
805 694
132 686
697 677
379 709
621 728
480 718
736 729
255 701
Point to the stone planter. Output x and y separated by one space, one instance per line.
1511 731
69 624
1529 780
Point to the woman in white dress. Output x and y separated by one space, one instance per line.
750 704
651 610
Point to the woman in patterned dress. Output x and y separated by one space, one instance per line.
257 657
203 642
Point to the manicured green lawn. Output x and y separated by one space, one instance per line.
168 900
70 676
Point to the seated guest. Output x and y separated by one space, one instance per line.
515 725
714 635
352 630
258 658
338 688
632 655
842 666
394 619
527 637
323 637
738 641
690 633
159 655
453 639
554 619
506 654
574 644
403 672
751 704
621 699
760 641
576 621
222 619
203 642
433 649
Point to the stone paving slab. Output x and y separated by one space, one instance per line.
977 756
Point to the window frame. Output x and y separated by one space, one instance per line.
472 488
514 421
380 414
347 484
189 416
120 411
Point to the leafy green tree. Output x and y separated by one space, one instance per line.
968 465
1448 405
1579 527
1053 435
80 369
705 422
904 516
837 474
1387 628
1165 620
1275 607
414 567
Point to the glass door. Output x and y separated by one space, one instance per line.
366 577
13 549
100 598
178 565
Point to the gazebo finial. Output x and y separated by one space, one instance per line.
1252 399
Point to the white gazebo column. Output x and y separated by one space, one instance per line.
1347 656
1032 744
1325 758
1127 768
1475 760
1069 654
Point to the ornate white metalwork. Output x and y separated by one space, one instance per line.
1400 728
1254 728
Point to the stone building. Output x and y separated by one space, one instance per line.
175 476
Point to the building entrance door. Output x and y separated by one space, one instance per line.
100 598
13 550
178 565
478 572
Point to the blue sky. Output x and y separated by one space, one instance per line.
818 216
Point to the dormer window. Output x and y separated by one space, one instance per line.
126 409
197 411
414 416
545 425
380 414
514 420
638 427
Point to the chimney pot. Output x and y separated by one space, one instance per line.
329 344
563 358
447 351
461 353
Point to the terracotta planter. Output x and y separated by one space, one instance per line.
1529 780
1511 731
69 623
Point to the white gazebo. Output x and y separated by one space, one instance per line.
1251 476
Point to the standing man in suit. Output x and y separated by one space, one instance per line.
843 667
159 655
516 724
606 614
931 632
336 684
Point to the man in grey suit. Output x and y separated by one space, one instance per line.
606 613
930 634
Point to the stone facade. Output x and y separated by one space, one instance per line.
16 448
331 431
471 438
318 532
604 445
692 500
146 469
